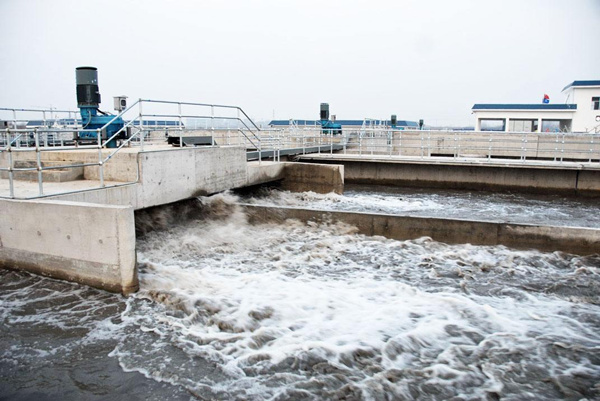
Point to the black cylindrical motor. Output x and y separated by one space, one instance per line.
88 94
394 120
324 111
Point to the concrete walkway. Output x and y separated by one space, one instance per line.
30 189
459 161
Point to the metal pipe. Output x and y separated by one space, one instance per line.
39 161
141 118
100 163
11 185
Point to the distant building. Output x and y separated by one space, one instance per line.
580 113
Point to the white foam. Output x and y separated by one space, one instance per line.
271 299
550 210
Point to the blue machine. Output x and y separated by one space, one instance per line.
92 118
394 123
328 126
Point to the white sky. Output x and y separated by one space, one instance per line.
430 59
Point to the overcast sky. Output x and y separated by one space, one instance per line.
430 59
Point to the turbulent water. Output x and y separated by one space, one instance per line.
238 312
514 208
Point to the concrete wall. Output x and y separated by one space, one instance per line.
264 172
298 177
320 178
172 174
582 241
88 244
535 179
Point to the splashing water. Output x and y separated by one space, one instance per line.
227 310
319 312
515 208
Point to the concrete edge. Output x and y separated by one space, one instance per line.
85 243
575 240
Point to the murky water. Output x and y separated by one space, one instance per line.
237 312
507 207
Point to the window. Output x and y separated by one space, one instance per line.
596 103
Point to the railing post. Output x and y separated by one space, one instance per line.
100 161
260 150
141 118
399 143
39 161
522 147
429 143
591 147
331 144
320 141
10 165
180 126
303 142
360 135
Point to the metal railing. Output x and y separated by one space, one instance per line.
524 146
25 147
24 150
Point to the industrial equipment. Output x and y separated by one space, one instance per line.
329 126
92 118
120 103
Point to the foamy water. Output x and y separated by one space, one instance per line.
515 208
232 311
319 312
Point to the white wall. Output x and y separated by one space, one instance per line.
585 118
524 114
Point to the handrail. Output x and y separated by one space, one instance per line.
39 110
205 105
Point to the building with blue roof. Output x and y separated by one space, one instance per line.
579 113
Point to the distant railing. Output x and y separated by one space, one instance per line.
524 146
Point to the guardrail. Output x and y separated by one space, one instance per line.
524 146
20 142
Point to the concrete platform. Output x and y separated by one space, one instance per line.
536 176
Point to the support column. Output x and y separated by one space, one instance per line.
506 124
477 124
539 125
